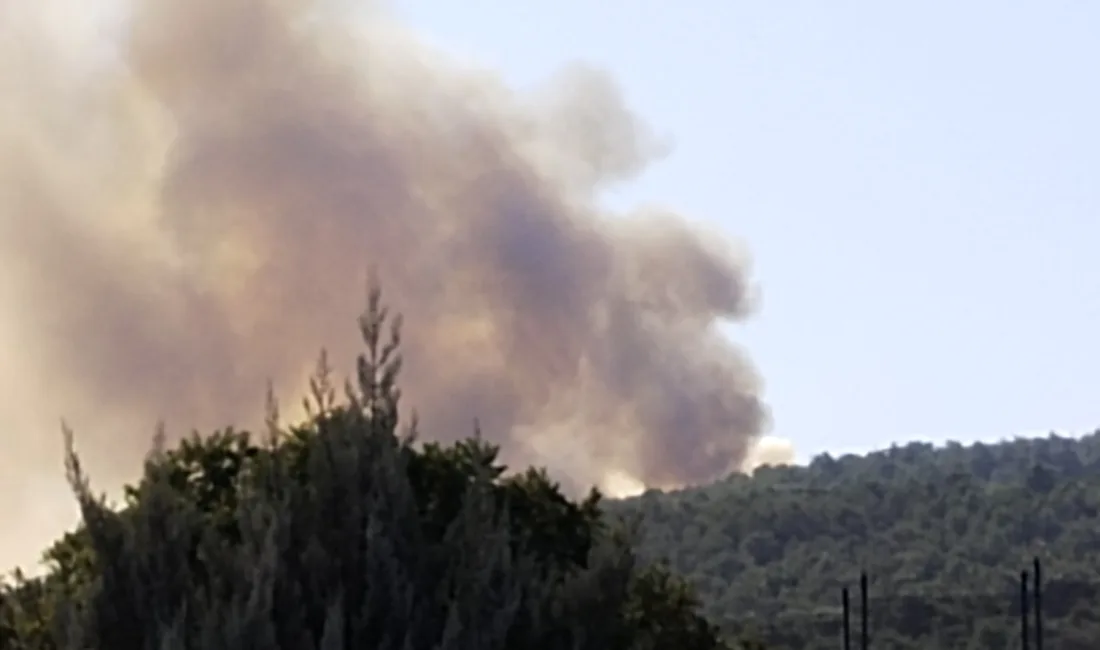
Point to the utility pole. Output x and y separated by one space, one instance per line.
1025 612
864 637
1038 605
846 606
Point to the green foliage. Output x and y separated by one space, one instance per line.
942 532
342 532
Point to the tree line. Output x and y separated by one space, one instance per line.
344 531
942 531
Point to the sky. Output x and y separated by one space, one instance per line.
917 184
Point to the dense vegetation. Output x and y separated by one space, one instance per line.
343 532
942 532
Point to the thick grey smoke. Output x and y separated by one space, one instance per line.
189 206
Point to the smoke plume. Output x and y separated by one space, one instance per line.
194 190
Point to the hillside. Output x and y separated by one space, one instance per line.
943 533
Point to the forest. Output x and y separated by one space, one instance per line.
942 532
348 531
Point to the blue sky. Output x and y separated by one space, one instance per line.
919 184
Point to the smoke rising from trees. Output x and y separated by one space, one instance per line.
191 201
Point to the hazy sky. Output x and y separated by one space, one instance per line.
919 184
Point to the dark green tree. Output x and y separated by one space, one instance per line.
345 532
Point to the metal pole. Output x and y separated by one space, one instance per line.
847 619
1038 605
864 638
1025 612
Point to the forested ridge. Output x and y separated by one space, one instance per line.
943 533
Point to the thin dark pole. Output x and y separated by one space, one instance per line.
1038 600
847 619
864 640
1025 612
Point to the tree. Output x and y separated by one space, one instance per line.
343 531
